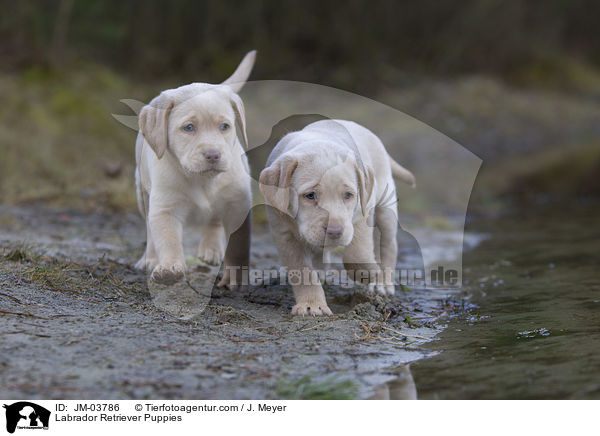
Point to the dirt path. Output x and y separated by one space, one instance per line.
77 321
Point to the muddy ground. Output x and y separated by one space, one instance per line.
77 321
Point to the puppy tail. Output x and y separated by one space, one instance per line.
401 173
240 75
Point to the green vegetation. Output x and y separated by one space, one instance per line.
104 278
20 253
60 144
62 147
564 173
307 388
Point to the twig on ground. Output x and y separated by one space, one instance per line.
404 334
15 299
232 339
310 328
22 314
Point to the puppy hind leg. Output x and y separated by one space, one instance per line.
237 256
149 259
386 222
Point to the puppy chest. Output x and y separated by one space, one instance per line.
217 200
204 203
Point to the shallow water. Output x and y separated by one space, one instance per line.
536 330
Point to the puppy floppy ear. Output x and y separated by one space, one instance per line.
240 117
366 183
154 123
275 185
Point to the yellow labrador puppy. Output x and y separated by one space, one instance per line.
329 185
189 156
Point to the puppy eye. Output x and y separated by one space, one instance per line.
348 195
188 128
224 127
310 196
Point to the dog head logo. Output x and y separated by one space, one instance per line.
26 415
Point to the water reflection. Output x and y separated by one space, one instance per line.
535 333
401 388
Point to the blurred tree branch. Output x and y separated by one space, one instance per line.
61 27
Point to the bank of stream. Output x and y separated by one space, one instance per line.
75 313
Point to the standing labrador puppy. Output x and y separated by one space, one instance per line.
188 156
329 185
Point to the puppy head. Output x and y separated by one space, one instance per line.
199 131
325 194
197 122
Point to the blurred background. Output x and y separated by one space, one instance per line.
517 82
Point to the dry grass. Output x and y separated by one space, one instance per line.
102 278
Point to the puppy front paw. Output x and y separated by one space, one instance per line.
311 308
146 264
211 255
377 288
168 274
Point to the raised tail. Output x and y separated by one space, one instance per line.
240 75
401 173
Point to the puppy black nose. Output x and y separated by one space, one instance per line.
334 232
212 156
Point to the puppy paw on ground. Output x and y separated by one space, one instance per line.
168 274
210 254
390 289
314 309
377 288
233 282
